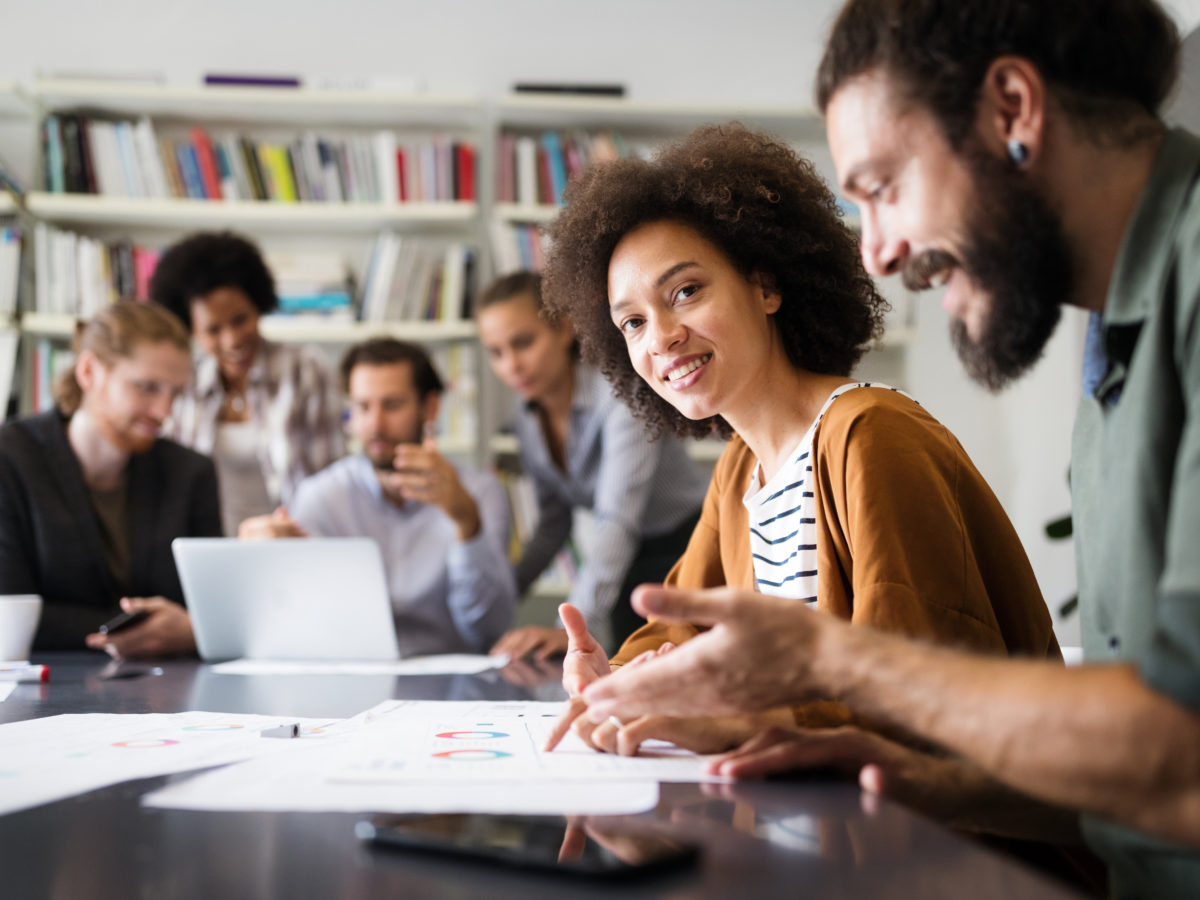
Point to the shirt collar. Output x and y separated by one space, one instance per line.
1142 259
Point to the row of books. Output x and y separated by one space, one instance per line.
77 275
516 247
315 282
10 269
407 279
535 170
87 155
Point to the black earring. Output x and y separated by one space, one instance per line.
1018 152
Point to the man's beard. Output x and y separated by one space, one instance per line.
1018 255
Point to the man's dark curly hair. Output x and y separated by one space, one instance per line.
764 207
1108 62
203 262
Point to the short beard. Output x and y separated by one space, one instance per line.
1019 255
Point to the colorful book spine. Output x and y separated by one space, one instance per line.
206 162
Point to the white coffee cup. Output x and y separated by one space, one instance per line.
19 615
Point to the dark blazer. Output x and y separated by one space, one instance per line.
50 540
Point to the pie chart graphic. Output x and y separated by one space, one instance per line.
472 735
471 755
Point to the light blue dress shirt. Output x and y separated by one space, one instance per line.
448 596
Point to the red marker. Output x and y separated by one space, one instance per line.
24 672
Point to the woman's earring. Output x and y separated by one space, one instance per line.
1018 152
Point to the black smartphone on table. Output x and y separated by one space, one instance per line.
542 843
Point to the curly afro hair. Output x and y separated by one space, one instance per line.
761 205
203 262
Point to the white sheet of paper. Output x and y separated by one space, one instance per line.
446 664
46 759
6 688
296 782
443 756
406 741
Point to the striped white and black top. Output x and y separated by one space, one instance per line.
783 530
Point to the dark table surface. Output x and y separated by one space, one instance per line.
808 838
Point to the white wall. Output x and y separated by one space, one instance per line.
754 51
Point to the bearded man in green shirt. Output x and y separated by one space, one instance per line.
1012 151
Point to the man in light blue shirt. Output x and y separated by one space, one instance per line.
442 529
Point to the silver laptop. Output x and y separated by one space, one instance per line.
292 598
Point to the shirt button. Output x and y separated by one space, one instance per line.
1114 643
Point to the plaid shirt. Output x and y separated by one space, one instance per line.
292 391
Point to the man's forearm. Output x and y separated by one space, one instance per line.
1093 738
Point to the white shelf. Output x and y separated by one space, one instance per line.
92 209
15 103
259 105
44 325
8 204
301 331
515 212
317 331
538 110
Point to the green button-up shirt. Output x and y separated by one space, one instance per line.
1135 483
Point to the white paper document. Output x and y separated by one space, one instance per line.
444 756
419 741
297 783
46 759
446 664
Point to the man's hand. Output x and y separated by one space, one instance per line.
759 653
946 788
532 640
424 475
278 524
166 632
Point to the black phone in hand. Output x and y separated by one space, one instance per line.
123 621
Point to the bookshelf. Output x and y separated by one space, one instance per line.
513 221
285 224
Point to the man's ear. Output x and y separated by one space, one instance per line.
87 369
1012 109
